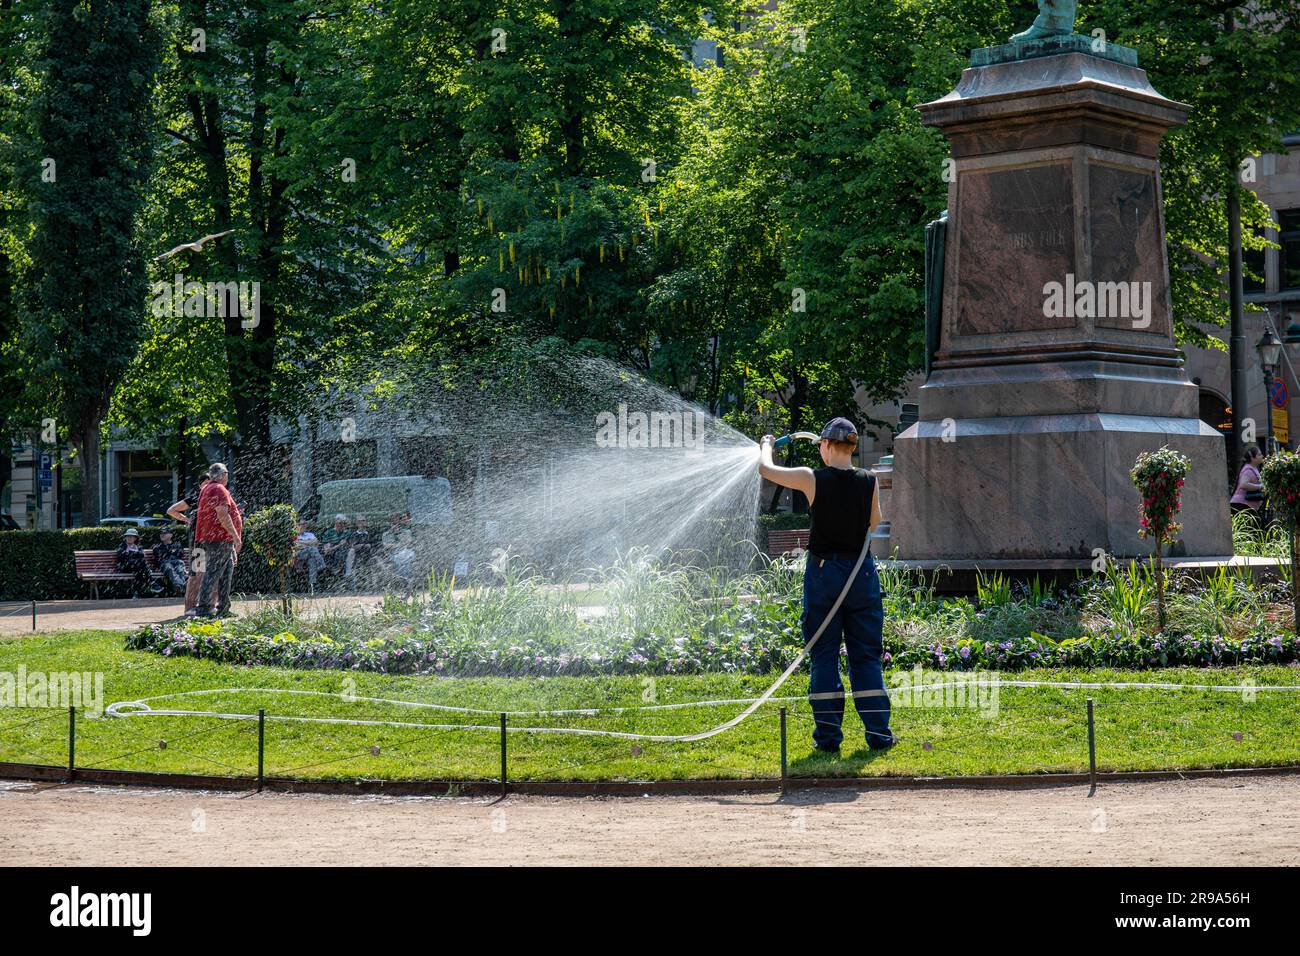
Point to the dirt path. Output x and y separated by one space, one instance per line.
126 614
1212 822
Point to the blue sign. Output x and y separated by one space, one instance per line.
1277 393
47 473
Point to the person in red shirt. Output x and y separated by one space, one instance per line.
218 533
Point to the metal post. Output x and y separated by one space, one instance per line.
1092 752
1237 323
261 748
1268 410
503 755
72 744
783 751
33 614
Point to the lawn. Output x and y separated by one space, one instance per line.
1033 729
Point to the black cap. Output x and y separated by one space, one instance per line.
839 429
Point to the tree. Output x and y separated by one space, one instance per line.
1244 91
799 208
97 68
17 33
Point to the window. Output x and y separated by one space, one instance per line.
1289 239
1252 261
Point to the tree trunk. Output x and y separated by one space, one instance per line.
1160 591
88 444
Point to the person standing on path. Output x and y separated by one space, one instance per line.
177 512
218 533
844 504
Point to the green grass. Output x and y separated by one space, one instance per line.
1034 730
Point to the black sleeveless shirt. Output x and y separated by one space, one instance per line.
841 510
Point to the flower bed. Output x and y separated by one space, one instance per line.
644 619
432 654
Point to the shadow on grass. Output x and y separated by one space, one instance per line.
836 765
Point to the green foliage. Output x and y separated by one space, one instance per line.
271 533
992 590
1123 596
1281 479
1242 105
385 168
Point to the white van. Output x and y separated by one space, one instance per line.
427 499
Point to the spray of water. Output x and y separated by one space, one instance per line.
562 463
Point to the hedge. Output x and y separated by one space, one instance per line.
38 565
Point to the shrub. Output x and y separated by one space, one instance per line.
271 533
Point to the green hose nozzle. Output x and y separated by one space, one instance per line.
786 439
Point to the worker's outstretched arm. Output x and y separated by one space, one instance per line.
800 479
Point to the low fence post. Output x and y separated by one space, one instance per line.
783 751
33 614
503 755
72 744
1092 752
261 748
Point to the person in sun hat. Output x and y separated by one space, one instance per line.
844 503
131 559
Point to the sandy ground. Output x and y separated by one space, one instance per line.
125 615
1210 822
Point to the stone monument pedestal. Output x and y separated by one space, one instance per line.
1056 363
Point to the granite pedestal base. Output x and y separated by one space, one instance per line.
1047 486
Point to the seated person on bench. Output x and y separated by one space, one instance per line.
131 559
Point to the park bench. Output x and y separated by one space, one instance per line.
787 541
96 567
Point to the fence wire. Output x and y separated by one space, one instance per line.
1196 723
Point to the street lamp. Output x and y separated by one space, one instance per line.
1269 348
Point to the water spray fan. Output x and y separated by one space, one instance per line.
786 439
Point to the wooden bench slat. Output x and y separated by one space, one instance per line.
787 540
96 566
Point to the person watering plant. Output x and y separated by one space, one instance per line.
845 506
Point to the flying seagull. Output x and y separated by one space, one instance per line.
193 246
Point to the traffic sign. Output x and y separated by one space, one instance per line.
1277 393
